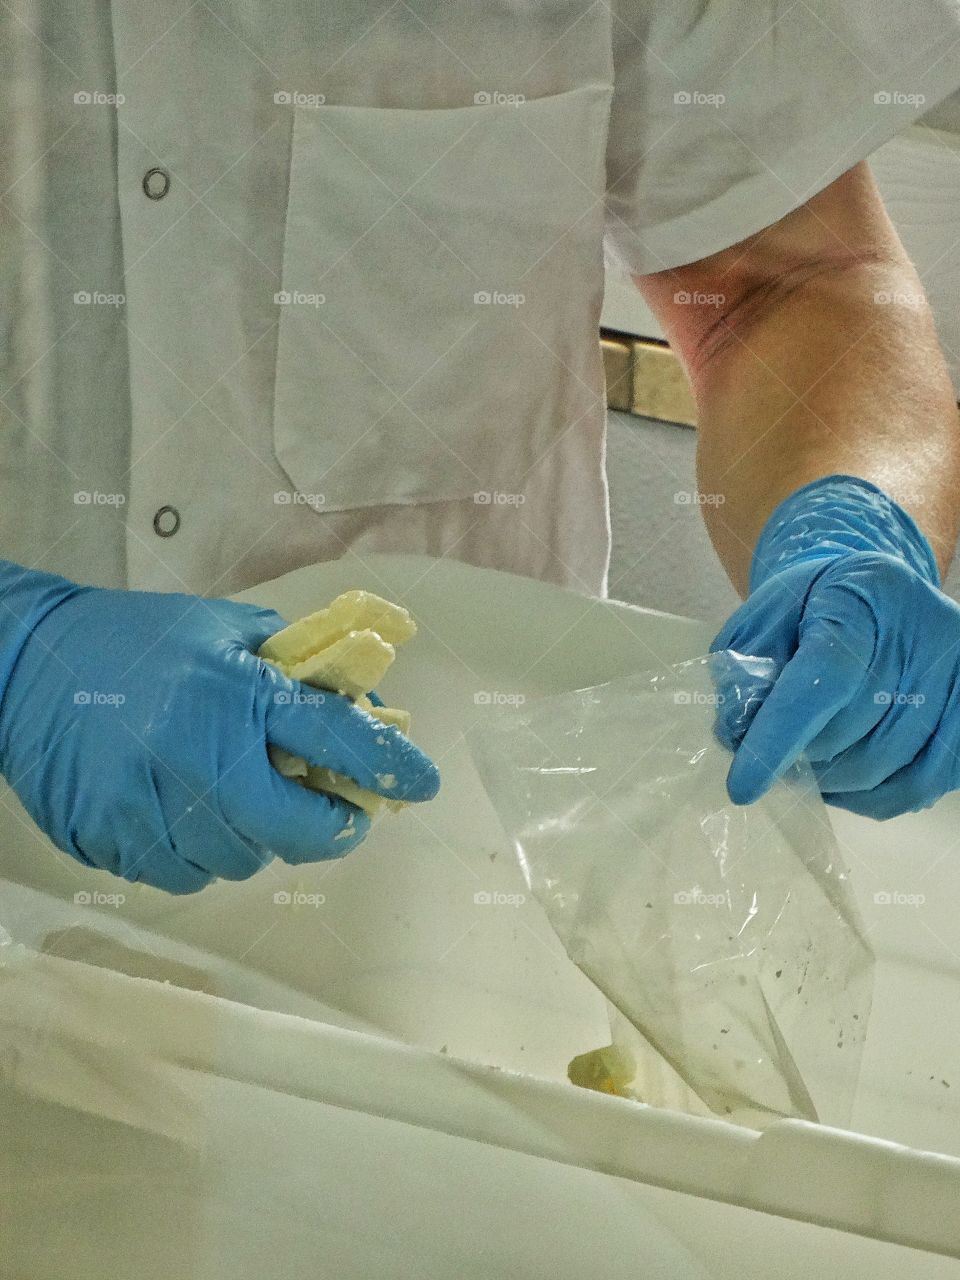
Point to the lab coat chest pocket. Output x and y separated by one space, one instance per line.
442 278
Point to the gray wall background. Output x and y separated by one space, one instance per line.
662 557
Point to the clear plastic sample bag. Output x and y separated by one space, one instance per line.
726 938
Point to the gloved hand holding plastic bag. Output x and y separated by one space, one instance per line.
727 936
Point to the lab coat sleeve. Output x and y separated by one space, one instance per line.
728 115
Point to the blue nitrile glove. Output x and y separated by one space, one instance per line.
133 727
844 597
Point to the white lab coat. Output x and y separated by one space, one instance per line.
386 166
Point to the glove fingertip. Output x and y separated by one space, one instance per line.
425 785
745 783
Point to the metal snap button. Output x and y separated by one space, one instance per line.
156 183
166 522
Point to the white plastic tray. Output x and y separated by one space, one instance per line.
229 1086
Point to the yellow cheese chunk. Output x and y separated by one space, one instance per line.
396 716
335 784
352 611
345 648
606 1070
353 664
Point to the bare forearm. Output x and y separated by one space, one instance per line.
814 376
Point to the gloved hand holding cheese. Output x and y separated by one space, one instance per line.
137 728
346 649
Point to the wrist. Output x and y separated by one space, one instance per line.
26 597
835 516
